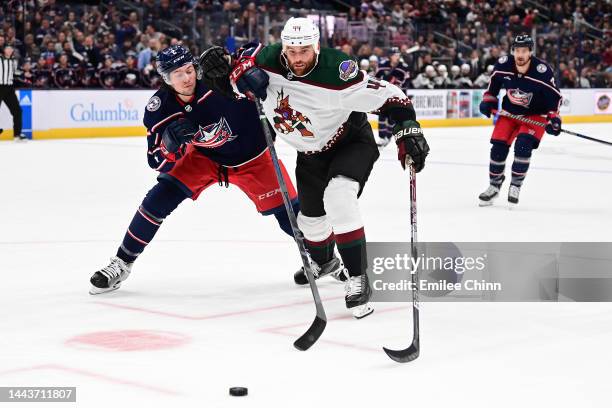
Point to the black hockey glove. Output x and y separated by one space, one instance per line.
553 124
412 148
177 133
215 62
488 105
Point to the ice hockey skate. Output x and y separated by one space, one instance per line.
110 277
334 268
489 195
357 295
513 195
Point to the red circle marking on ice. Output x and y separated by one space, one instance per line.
128 340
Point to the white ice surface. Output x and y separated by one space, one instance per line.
219 276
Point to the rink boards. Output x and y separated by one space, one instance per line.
61 114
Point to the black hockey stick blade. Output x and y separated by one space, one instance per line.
403 356
312 334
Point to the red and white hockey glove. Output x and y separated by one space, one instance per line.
249 79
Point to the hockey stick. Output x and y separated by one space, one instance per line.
412 352
318 325
540 124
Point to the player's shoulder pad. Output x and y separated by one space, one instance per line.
155 107
542 68
504 63
268 56
337 67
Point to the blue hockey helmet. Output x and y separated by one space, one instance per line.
522 40
174 57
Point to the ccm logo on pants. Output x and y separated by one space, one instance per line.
268 194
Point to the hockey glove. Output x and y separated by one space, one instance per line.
249 79
488 104
215 62
553 125
178 133
412 148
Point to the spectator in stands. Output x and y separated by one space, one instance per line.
492 57
442 81
49 53
425 80
373 63
92 51
483 79
147 55
477 34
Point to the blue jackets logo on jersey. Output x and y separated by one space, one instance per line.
518 97
214 135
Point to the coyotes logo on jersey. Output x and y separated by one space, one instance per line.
288 119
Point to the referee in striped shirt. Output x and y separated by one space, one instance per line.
8 66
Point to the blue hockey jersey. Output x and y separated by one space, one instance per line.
398 75
532 93
229 132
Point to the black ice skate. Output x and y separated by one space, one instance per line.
110 277
358 295
334 267
513 194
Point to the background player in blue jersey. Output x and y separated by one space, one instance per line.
531 91
396 72
197 137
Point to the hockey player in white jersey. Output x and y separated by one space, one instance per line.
316 101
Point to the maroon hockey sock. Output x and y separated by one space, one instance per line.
352 248
321 251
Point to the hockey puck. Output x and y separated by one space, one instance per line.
239 391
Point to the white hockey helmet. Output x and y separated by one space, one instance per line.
300 31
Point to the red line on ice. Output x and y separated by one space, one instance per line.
214 316
282 330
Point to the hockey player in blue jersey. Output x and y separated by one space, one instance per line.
396 72
531 92
199 134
